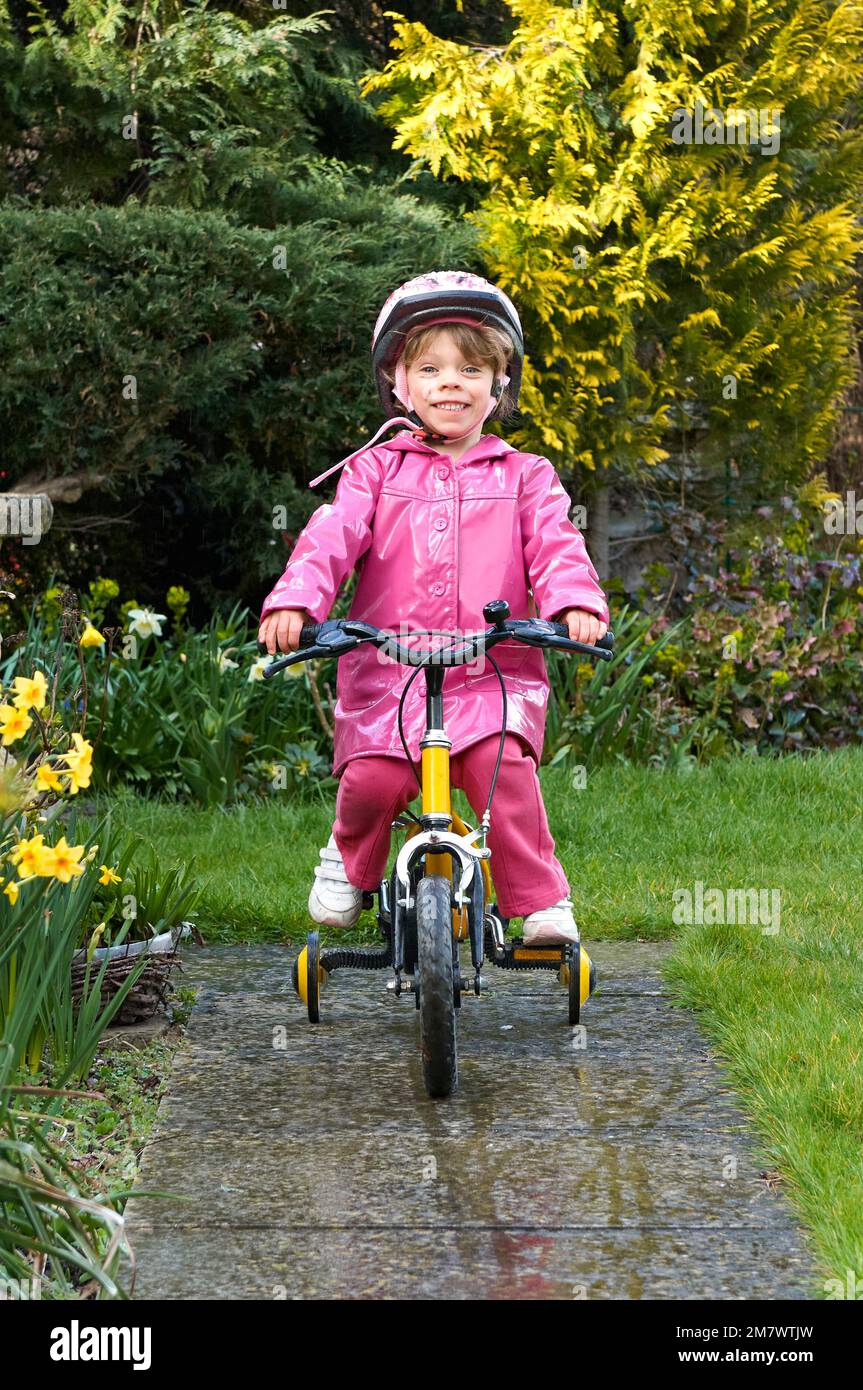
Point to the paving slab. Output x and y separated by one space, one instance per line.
611 1161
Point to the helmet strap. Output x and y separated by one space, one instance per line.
423 432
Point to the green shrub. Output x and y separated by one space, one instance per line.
601 710
769 654
193 374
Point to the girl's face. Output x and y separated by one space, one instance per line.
450 393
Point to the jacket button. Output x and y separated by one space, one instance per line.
438 588
443 474
440 523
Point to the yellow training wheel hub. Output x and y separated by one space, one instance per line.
301 975
584 991
584 975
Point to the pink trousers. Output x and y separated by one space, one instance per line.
372 791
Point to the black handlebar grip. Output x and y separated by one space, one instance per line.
605 643
309 634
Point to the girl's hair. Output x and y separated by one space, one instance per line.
484 345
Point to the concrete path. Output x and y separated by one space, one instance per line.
314 1165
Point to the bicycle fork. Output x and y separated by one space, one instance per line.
444 840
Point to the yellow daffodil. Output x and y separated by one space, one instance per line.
30 691
83 751
79 777
107 875
48 778
91 637
80 764
65 858
14 723
32 857
11 891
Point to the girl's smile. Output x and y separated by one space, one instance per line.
451 393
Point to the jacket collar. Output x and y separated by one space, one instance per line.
487 447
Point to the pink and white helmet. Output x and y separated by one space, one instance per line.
442 296
438 297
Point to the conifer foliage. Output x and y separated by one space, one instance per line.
671 194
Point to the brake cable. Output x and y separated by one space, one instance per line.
410 680
486 818
418 775
486 815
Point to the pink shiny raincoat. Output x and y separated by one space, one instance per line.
432 541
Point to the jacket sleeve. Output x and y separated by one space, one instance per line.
555 556
332 541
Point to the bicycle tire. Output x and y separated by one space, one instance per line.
435 971
313 976
575 985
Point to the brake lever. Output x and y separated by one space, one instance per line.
333 643
563 644
305 654
539 632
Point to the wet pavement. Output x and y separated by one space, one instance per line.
606 1163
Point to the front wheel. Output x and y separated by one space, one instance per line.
435 980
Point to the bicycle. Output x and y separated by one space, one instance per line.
422 915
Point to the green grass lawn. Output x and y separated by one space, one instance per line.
784 1010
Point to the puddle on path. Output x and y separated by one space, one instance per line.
613 1164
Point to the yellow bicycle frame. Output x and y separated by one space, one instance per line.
437 801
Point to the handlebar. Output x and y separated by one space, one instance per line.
337 636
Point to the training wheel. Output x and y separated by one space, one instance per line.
580 975
308 976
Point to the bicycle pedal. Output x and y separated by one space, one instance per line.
528 950
549 953
515 955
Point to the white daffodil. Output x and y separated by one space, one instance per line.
257 668
225 664
145 623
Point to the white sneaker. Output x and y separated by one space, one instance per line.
334 901
552 926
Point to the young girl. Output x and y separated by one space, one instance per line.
437 521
